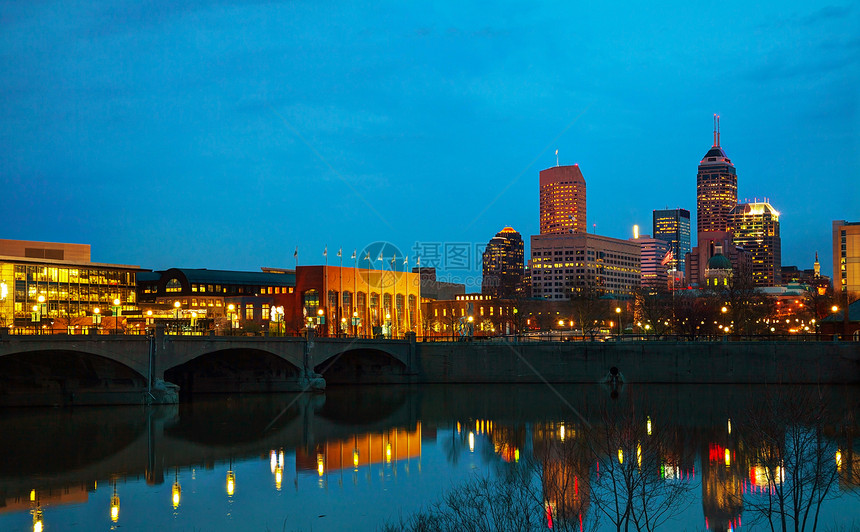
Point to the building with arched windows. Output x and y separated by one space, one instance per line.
349 301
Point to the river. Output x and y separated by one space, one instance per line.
356 458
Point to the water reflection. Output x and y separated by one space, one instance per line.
668 446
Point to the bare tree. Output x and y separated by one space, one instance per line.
587 309
629 489
785 437
654 307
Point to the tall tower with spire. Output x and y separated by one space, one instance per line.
816 267
716 187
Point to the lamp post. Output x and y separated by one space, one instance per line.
231 308
43 307
320 318
176 306
278 313
97 318
116 310
388 323
618 312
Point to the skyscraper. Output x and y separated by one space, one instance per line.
503 264
716 187
562 201
755 226
846 257
653 261
673 226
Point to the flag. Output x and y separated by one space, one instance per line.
296 252
556 151
667 258
406 260
418 259
353 253
325 252
340 252
367 256
380 257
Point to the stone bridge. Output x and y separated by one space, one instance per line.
64 369
79 369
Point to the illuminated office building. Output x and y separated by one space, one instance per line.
846 256
562 201
755 227
654 261
57 286
563 264
503 264
716 188
673 226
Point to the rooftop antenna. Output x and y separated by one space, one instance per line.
715 130
718 131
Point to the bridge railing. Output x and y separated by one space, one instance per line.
616 338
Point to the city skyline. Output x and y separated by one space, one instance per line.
179 137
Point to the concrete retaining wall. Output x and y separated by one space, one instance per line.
647 362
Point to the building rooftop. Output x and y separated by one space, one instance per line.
203 275
853 313
719 262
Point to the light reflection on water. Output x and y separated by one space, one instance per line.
355 458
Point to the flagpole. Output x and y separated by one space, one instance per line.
340 295
325 284
366 310
394 314
418 303
354 300
406 277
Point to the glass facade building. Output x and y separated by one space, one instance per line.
673 226
755 227
503 264
34 289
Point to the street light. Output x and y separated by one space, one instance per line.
320 317
116 309
388 323
278 313
97 318
42 309
176 307
618 311
230 309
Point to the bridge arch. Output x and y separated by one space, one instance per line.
359 364
234 370
66 376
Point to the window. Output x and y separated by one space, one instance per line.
173 285
311 301
249 312
265 311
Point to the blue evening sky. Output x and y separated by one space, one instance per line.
225 134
